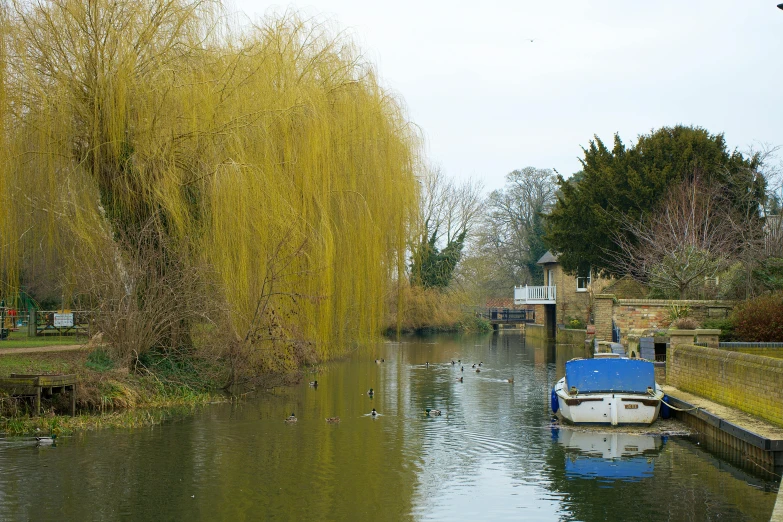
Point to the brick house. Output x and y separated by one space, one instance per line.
562 298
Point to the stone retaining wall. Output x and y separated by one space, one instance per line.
750 383
535 331
571 336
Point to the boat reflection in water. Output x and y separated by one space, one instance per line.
609 456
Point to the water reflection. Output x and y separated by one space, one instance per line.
609 455
490 455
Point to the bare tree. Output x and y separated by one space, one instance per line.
771 169
692 236
448 208
447 212
512 226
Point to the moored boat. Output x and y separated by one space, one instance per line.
608 390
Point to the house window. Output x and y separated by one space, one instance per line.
583 280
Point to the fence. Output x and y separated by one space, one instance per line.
48 322
45 322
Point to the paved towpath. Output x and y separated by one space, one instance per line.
742 419
43 349
777 514
739 418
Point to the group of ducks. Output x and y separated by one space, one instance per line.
335 420
474 366
430 412
331 420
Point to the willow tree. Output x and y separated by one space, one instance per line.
266 159
8 250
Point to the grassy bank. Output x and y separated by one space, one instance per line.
65 424
20 339
105 396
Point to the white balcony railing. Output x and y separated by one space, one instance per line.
535 294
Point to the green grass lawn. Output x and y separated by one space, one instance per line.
21 340
66 362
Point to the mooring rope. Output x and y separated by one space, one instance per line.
675 408
765 468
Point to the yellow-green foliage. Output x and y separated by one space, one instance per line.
270 153
429 308
8 247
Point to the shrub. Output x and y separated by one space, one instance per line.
427 309
726 327
475 324
685 323
678 311
760 319
99 360
576 323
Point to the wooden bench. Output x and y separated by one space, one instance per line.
25 385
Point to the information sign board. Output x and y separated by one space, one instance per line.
63 320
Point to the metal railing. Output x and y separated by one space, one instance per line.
739 344
509 315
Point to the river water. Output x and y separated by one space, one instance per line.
493 454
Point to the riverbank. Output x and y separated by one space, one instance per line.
418 310
105 396
465 324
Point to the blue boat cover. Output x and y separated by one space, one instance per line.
630 470
610 375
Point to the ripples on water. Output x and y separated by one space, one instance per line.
492 454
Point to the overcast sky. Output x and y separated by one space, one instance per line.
490 101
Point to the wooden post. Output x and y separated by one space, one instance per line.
37 401
32 329
73 400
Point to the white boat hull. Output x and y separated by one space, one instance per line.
608 408
609 445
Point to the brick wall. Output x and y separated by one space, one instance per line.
503 302
750 383
644 314
540 314
570 303
604 304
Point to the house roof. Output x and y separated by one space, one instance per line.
626 288
549 257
